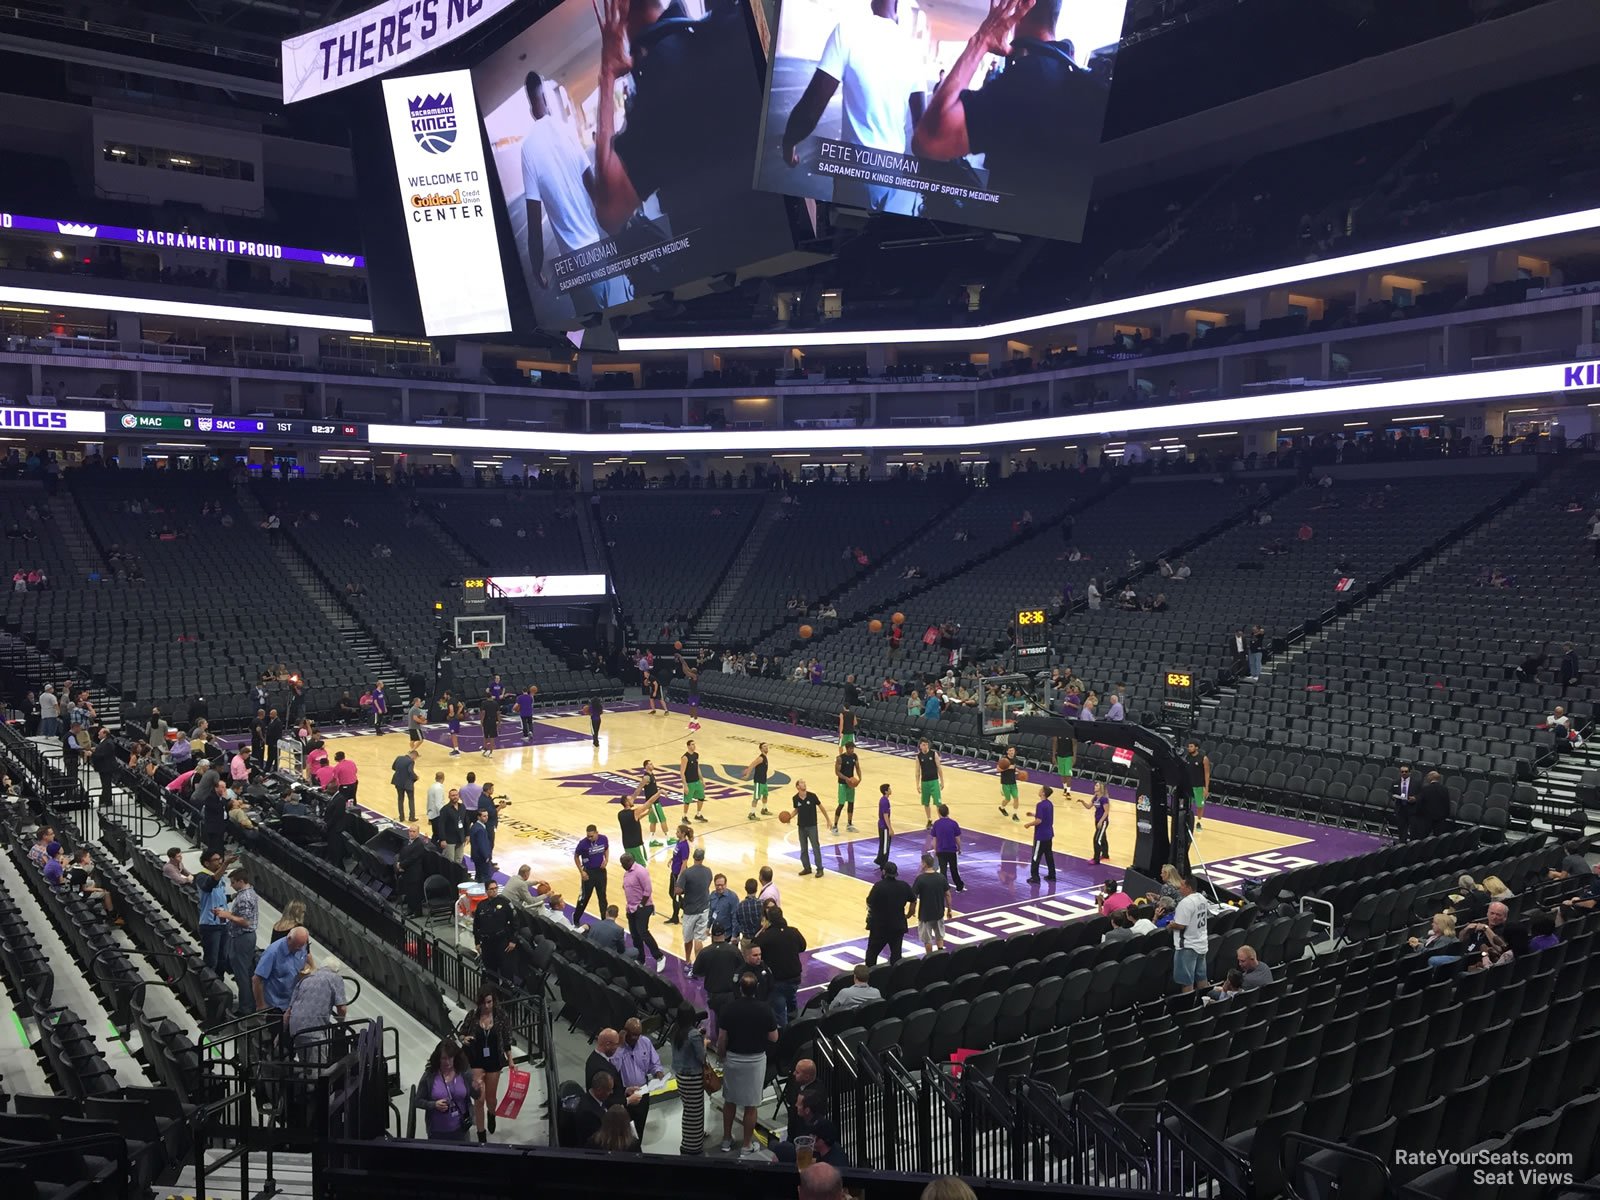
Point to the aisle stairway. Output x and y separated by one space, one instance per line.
68 530
707 625
378 664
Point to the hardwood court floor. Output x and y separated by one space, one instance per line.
558 783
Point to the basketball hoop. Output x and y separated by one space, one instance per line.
483 650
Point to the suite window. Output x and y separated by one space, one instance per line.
212 166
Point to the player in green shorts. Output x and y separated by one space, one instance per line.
756 773
1065 751
694 788
1200 779
1008 782
650 794
847 770
847 727
628 824
930 779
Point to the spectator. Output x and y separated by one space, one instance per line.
1121 927
1253 971
638 1065
1190 923
446 1092
781 946
278 968
689 1065
172 868
859 992
1497 890
616 1132
318 1001
1441 937
746 1027
1232 985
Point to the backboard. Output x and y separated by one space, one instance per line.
480 631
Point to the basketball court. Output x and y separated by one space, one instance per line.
556 783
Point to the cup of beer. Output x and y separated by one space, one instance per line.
804 1151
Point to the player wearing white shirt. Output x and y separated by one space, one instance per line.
556 181
877 63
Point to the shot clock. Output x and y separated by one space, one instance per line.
1033 631
474 592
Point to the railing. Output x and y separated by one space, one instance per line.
942 1124
898 1118
991 1129
1189 1160
1075 1140
1313 1167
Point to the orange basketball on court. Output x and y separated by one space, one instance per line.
1022 776
898 618
786 816
584 710
805 631
677 645
875 625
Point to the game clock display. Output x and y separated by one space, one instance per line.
1033 630
474 592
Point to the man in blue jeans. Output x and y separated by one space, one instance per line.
781 946
806 806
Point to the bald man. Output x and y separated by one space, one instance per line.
819 1181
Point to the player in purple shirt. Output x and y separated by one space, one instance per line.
680 858
591 856
1043 825
525 710
947 845
1100 805
885 825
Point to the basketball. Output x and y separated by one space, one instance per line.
786 816
584 710
542 889
853 781
1022 776
677 645
805 631
899 618
875 625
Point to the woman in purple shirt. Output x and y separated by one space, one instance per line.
446 1092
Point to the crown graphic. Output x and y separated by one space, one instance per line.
428 103
339 260
79 230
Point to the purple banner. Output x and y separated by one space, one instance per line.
168 239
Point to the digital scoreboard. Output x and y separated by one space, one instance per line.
1178 702
192 423
474 592
1033 631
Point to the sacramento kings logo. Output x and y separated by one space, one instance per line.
433 122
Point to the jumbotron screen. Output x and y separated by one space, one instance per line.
987 114
623 135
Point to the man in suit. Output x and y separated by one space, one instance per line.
605 1047
411 868
592 1104
1433 806
607 934
1405 803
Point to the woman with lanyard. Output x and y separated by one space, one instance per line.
694 787
649 793
446 1093
454 711
486 1043
689 1067
756 773
1100 805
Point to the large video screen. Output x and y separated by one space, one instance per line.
623 135
984 113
